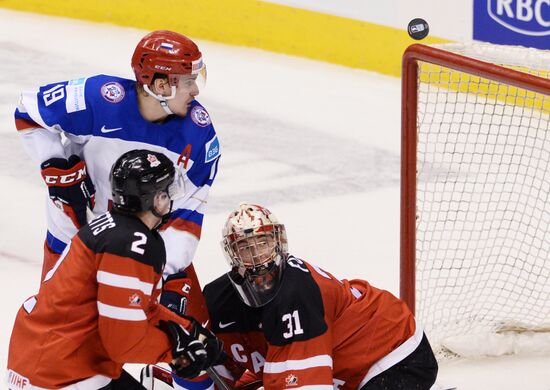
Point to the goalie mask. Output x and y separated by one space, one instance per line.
255 245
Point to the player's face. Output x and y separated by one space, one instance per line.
186 90
162 203
257 250
256 268
257 253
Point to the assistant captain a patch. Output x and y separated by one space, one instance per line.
200 116
113 92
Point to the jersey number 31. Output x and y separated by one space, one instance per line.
293 324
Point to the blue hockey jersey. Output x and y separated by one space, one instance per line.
98 118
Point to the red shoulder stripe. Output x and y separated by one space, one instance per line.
24 124
186 226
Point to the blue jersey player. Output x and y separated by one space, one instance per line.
75 130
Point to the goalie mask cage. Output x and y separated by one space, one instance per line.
475 203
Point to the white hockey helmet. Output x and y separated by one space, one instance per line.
256 246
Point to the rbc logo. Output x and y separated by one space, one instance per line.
527 17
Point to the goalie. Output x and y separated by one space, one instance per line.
296 325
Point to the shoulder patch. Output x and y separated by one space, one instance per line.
75 95
200 116
113 92
212 150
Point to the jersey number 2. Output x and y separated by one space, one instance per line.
293 324
142 240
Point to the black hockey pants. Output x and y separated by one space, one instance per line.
417 371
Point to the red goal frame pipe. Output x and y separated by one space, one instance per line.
409 100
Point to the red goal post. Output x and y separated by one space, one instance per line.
449 104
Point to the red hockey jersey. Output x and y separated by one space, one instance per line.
95 311
318 332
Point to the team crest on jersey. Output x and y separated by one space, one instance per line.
291 380
134 300
200 116
113 92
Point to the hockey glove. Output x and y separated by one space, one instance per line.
189 353
70 187
175 292
213 346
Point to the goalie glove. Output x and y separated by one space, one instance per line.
69 187
188 351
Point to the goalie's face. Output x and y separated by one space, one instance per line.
254 252
257 258
256 268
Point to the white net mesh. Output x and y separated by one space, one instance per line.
483 202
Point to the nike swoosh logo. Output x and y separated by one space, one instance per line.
205 323
222 325
105 130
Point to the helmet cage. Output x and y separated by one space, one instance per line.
252 249
257 288
257 258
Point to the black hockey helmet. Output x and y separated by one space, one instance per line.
137 176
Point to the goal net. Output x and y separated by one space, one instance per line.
475 209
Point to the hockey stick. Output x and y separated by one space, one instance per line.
217 379
213 374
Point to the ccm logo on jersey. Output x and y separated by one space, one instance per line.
66 180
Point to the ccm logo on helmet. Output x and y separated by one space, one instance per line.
68 179
164 68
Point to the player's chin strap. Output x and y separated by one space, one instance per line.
162 99
163 218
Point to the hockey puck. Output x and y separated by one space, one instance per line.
418 29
